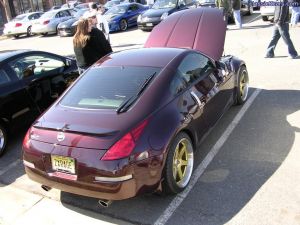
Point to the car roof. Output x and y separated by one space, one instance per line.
5 54
204 30
152 57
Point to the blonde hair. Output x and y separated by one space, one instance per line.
82 33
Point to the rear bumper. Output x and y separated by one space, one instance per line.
148 25
15 31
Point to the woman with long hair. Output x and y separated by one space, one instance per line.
89 43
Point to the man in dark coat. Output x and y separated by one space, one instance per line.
281 29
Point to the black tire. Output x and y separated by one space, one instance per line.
29 33
16 36
264 18
44 34
123 25
3 139
172 183
243 86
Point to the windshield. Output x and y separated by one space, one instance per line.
48 14
98 89
111 4
163 4
80 12
118 9
19 17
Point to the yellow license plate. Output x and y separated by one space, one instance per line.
64 164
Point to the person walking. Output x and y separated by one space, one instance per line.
236 7
89 44
295 13
224 6
281 29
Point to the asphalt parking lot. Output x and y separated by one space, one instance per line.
246 171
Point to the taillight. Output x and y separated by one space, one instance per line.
46 22
123 147
18 25
26 141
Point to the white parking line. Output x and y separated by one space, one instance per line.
202 166
10 166
250 21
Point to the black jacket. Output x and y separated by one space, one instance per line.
281 14
96 47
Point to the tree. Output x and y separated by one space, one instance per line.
5 5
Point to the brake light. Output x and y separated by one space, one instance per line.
123 147
46 22
18 25
26 141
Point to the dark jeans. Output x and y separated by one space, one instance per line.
281 31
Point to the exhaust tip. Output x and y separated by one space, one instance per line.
46 188
104 203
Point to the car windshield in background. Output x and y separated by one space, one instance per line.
19 17
48 14
80 12
111 4
98 89
119 9
163 4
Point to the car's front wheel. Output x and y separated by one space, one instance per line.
265 18
243 86
179 164
123 25
3 139
29 33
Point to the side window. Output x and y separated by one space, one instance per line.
178 84
31 17
65 13
194 67
36 65
4 78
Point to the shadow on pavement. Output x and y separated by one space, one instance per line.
255 150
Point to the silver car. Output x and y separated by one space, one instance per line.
21 24
49 21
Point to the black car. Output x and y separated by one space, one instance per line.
68 28
29 82
161 10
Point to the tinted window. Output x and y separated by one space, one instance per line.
4 78
36 65
178 84
195 66
107 87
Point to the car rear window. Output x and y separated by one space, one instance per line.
107 87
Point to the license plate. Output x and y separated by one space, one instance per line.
64 164
149 24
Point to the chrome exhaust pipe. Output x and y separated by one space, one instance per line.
104 203
46 188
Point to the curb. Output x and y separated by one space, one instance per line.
3 37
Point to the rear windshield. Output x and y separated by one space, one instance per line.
19 17
107 87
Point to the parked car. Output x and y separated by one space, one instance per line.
21 24
161 10
108 5
70 4
29 83
68 27
49 21
125 15
55 7
132 122
267 10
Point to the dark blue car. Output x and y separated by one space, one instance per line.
122 16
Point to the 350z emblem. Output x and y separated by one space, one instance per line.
60 136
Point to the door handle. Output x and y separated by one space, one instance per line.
196 98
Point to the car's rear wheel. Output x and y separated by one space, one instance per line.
3 139
29 33
16 36
264 18
123 25
179 164
243 86
44 34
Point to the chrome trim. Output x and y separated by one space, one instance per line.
17 114
28 164
113 179
197 99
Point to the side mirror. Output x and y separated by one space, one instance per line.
68 62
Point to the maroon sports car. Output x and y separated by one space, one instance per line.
131 123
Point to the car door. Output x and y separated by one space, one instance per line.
16 106
132 14
205 88
43 76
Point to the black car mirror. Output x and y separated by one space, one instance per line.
68 62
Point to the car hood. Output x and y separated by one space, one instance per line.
155 12
67 23
204 30
111 17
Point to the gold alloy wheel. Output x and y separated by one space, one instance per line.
244 85
183 161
